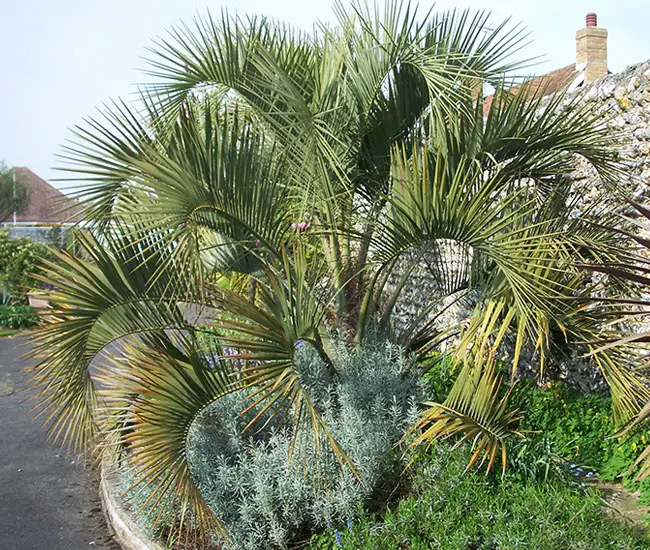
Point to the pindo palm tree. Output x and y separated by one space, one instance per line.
315 167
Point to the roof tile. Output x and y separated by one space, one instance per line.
551 83
46 204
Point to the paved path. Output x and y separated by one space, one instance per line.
47 501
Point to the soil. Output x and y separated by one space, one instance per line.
622 504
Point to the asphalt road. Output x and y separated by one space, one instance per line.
47 500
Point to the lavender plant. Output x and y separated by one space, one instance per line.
263 499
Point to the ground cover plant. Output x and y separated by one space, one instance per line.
254 206
456 510
579 429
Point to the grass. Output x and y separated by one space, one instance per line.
8 332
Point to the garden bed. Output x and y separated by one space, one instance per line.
448 508
547 499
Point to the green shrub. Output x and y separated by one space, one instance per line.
440 373
578 425
561 426
454 510
19 259
17 316
570 434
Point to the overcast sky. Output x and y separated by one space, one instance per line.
63 59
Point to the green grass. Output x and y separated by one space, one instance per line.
7 332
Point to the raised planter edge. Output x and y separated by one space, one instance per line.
126 532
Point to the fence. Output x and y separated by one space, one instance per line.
47 234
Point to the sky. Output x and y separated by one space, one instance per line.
61 60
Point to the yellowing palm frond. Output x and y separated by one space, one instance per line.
151 407
475 409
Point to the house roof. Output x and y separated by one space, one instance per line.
551 83
46 204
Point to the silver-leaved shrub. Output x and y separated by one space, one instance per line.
265 500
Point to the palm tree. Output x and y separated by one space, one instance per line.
310 166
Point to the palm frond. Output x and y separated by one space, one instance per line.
475 408
210 186
96 302
266 334
532 135
150 410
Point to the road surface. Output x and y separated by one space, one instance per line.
47 500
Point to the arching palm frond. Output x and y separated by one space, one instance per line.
475 408
227 54
469 38
535 135
528 134
476 411
219 189
402 64
211 187
593 326
151 409
100 157
268 68
96 302
428 205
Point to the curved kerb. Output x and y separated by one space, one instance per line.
128 534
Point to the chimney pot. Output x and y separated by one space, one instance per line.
591 50
592 20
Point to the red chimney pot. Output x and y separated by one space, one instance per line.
592 20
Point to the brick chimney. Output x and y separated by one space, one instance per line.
591 50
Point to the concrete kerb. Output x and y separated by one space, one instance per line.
127 533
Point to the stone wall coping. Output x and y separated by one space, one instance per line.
127 533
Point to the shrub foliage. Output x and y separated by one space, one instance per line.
17 316
265 500
19 259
